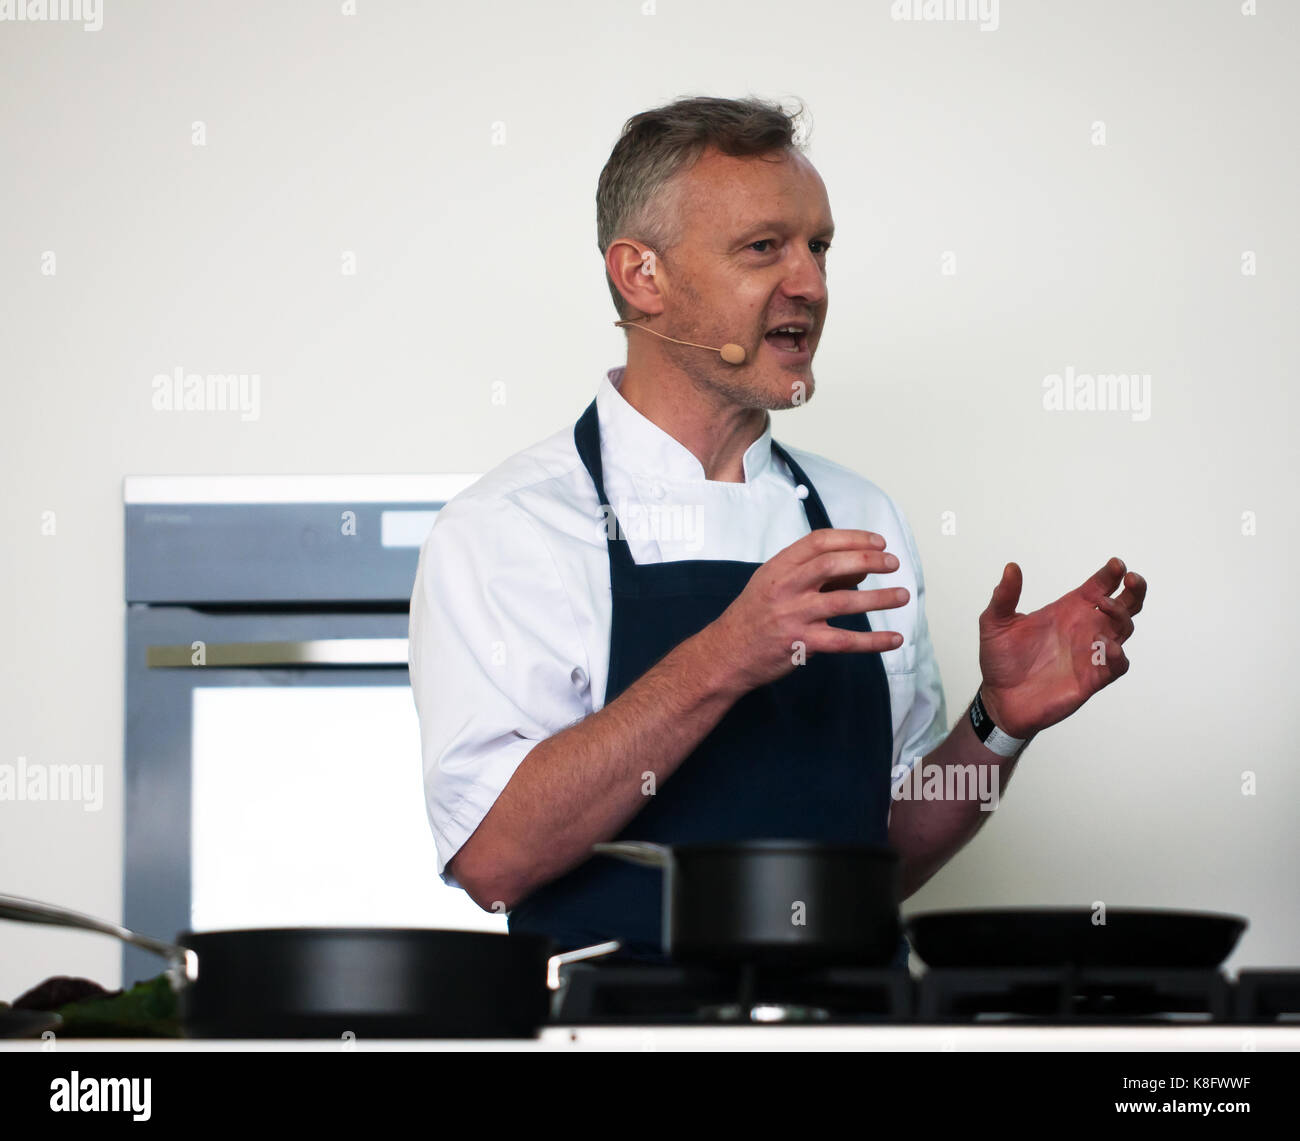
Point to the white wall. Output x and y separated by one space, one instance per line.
477 264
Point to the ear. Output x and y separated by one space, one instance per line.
633 267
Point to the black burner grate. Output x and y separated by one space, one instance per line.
666 994
1074 995
1268 996
659 995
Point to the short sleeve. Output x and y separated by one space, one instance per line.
925 722
496 662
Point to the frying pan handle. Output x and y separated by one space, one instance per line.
182 962
636 852
555 962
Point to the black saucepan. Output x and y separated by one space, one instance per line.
1052 937
326 982
785 903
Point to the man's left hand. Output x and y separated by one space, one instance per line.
1039 668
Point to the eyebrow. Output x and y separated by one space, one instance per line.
828 231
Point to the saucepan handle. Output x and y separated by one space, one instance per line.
182 962
555 962
636 852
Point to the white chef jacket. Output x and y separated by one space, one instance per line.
510 612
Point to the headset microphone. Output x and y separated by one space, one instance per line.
732 354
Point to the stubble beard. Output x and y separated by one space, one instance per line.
741 388
735 384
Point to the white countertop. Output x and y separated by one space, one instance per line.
578 1039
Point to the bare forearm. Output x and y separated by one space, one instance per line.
583 784
927 833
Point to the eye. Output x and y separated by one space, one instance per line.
768 241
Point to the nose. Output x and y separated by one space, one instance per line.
805 278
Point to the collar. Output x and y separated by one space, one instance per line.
642 447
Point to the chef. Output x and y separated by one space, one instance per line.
662 624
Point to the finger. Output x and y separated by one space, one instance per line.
825 540
832 605
1103 583
1114 609
1007 593
1134 594
833 640
849 567
1115 665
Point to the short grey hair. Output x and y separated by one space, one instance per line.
633 199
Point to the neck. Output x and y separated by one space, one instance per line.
715 430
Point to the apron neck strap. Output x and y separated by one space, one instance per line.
586 435
812 504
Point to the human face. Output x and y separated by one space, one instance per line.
751 257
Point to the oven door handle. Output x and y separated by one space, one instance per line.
316 652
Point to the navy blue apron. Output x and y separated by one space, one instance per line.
807 757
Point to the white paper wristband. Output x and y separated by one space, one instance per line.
1003 744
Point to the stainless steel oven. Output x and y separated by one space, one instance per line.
273 770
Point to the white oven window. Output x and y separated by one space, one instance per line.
307 809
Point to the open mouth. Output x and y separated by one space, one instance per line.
788 338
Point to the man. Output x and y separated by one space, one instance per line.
654 624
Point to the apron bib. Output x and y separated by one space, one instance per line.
807 757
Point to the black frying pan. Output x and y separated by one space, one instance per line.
1052 937
311 982
780 903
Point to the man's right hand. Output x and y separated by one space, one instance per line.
786 603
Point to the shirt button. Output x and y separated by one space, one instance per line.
657 490
801 492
